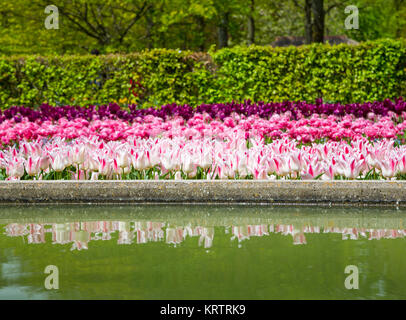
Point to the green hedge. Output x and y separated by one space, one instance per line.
366 72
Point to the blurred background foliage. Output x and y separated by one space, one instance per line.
152 52
113 26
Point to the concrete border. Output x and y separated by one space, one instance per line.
353 193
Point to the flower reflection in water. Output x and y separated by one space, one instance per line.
79 234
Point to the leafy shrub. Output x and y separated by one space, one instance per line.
347 74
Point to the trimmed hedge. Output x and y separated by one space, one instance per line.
347 74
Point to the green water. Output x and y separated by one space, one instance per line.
201 252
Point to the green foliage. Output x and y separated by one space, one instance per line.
124 26
378 19
366 72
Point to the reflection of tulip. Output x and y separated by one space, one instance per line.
141 236
351 232
79 245
174 236
126 237
79 234
206 237
299 238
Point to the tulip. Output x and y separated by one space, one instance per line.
44 163
187 165
402 164
16 169
328 173
312 172
294 163
285 168
32 166
226 157
79 155
123 159
206 161
178 176
139 162
92 164
104 167
260 174
389 168
351 170
58 163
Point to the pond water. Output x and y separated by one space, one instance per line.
202 252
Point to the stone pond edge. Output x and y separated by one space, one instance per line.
352 193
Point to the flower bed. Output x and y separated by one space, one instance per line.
90 144
202 125
296 110
202 158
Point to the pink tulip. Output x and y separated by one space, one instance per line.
104 167
351 168
58 163
79 155
123 160
32 166
402 164
44 163
15 169
178 176
312 172
389 168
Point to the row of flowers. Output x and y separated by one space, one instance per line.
202 125
220 111
202 158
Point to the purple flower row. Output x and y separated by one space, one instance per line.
218 110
